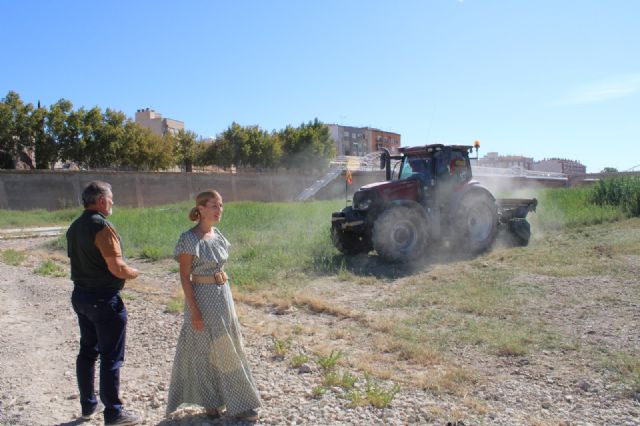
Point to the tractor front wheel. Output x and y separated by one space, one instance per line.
399 234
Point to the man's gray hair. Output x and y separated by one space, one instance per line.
95 190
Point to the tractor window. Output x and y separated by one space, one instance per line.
459 167
419 168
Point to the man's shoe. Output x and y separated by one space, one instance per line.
248 416
99 408
124 419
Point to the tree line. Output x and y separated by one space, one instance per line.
96 139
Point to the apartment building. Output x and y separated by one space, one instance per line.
360 141
492 159
153 121
560 165
383 139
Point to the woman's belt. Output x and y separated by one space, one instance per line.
216 278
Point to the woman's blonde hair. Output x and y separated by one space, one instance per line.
202 199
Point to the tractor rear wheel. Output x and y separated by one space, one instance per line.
476 222
349 243
399 234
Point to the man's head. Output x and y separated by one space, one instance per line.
97 195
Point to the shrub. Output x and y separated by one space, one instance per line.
299 360
328 362
13 257
50 268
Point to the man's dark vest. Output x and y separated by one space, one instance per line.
89 270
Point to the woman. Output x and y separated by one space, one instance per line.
210 368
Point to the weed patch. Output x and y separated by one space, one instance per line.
13 257
175 305
49 268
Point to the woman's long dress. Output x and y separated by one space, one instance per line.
210 368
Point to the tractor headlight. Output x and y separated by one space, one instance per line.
362 204
362 200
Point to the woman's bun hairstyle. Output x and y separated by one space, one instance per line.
194 214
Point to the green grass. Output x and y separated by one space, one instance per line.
13 257
273 244
571 207
175 305
39 217
49 268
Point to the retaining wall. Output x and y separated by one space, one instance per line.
45 189
24 190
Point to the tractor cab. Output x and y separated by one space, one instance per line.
447 167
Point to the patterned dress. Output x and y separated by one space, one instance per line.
210 368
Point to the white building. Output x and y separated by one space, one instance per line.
153 121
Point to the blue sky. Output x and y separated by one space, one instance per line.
535 78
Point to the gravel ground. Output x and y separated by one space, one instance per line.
39 342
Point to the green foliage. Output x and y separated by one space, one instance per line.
330 378
328 362
318 391
38 217
96 139
245 146
186 148
307 147
175 305
356 397
377 395
49 268
348 380
570 207
281 347
13 257
299 359
150 252
16 132
622 192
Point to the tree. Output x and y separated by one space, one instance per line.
141 149
263 149
67 127
50 129
185 149
609 170
108 138
46 152
307 147
7 145
16 132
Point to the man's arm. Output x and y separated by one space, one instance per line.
118 267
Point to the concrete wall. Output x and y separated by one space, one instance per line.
24 190
55 189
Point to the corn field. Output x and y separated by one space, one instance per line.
623 192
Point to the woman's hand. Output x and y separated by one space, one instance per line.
196 321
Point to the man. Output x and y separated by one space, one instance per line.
98 271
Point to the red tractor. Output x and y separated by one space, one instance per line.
432 201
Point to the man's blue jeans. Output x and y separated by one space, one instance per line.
103 321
